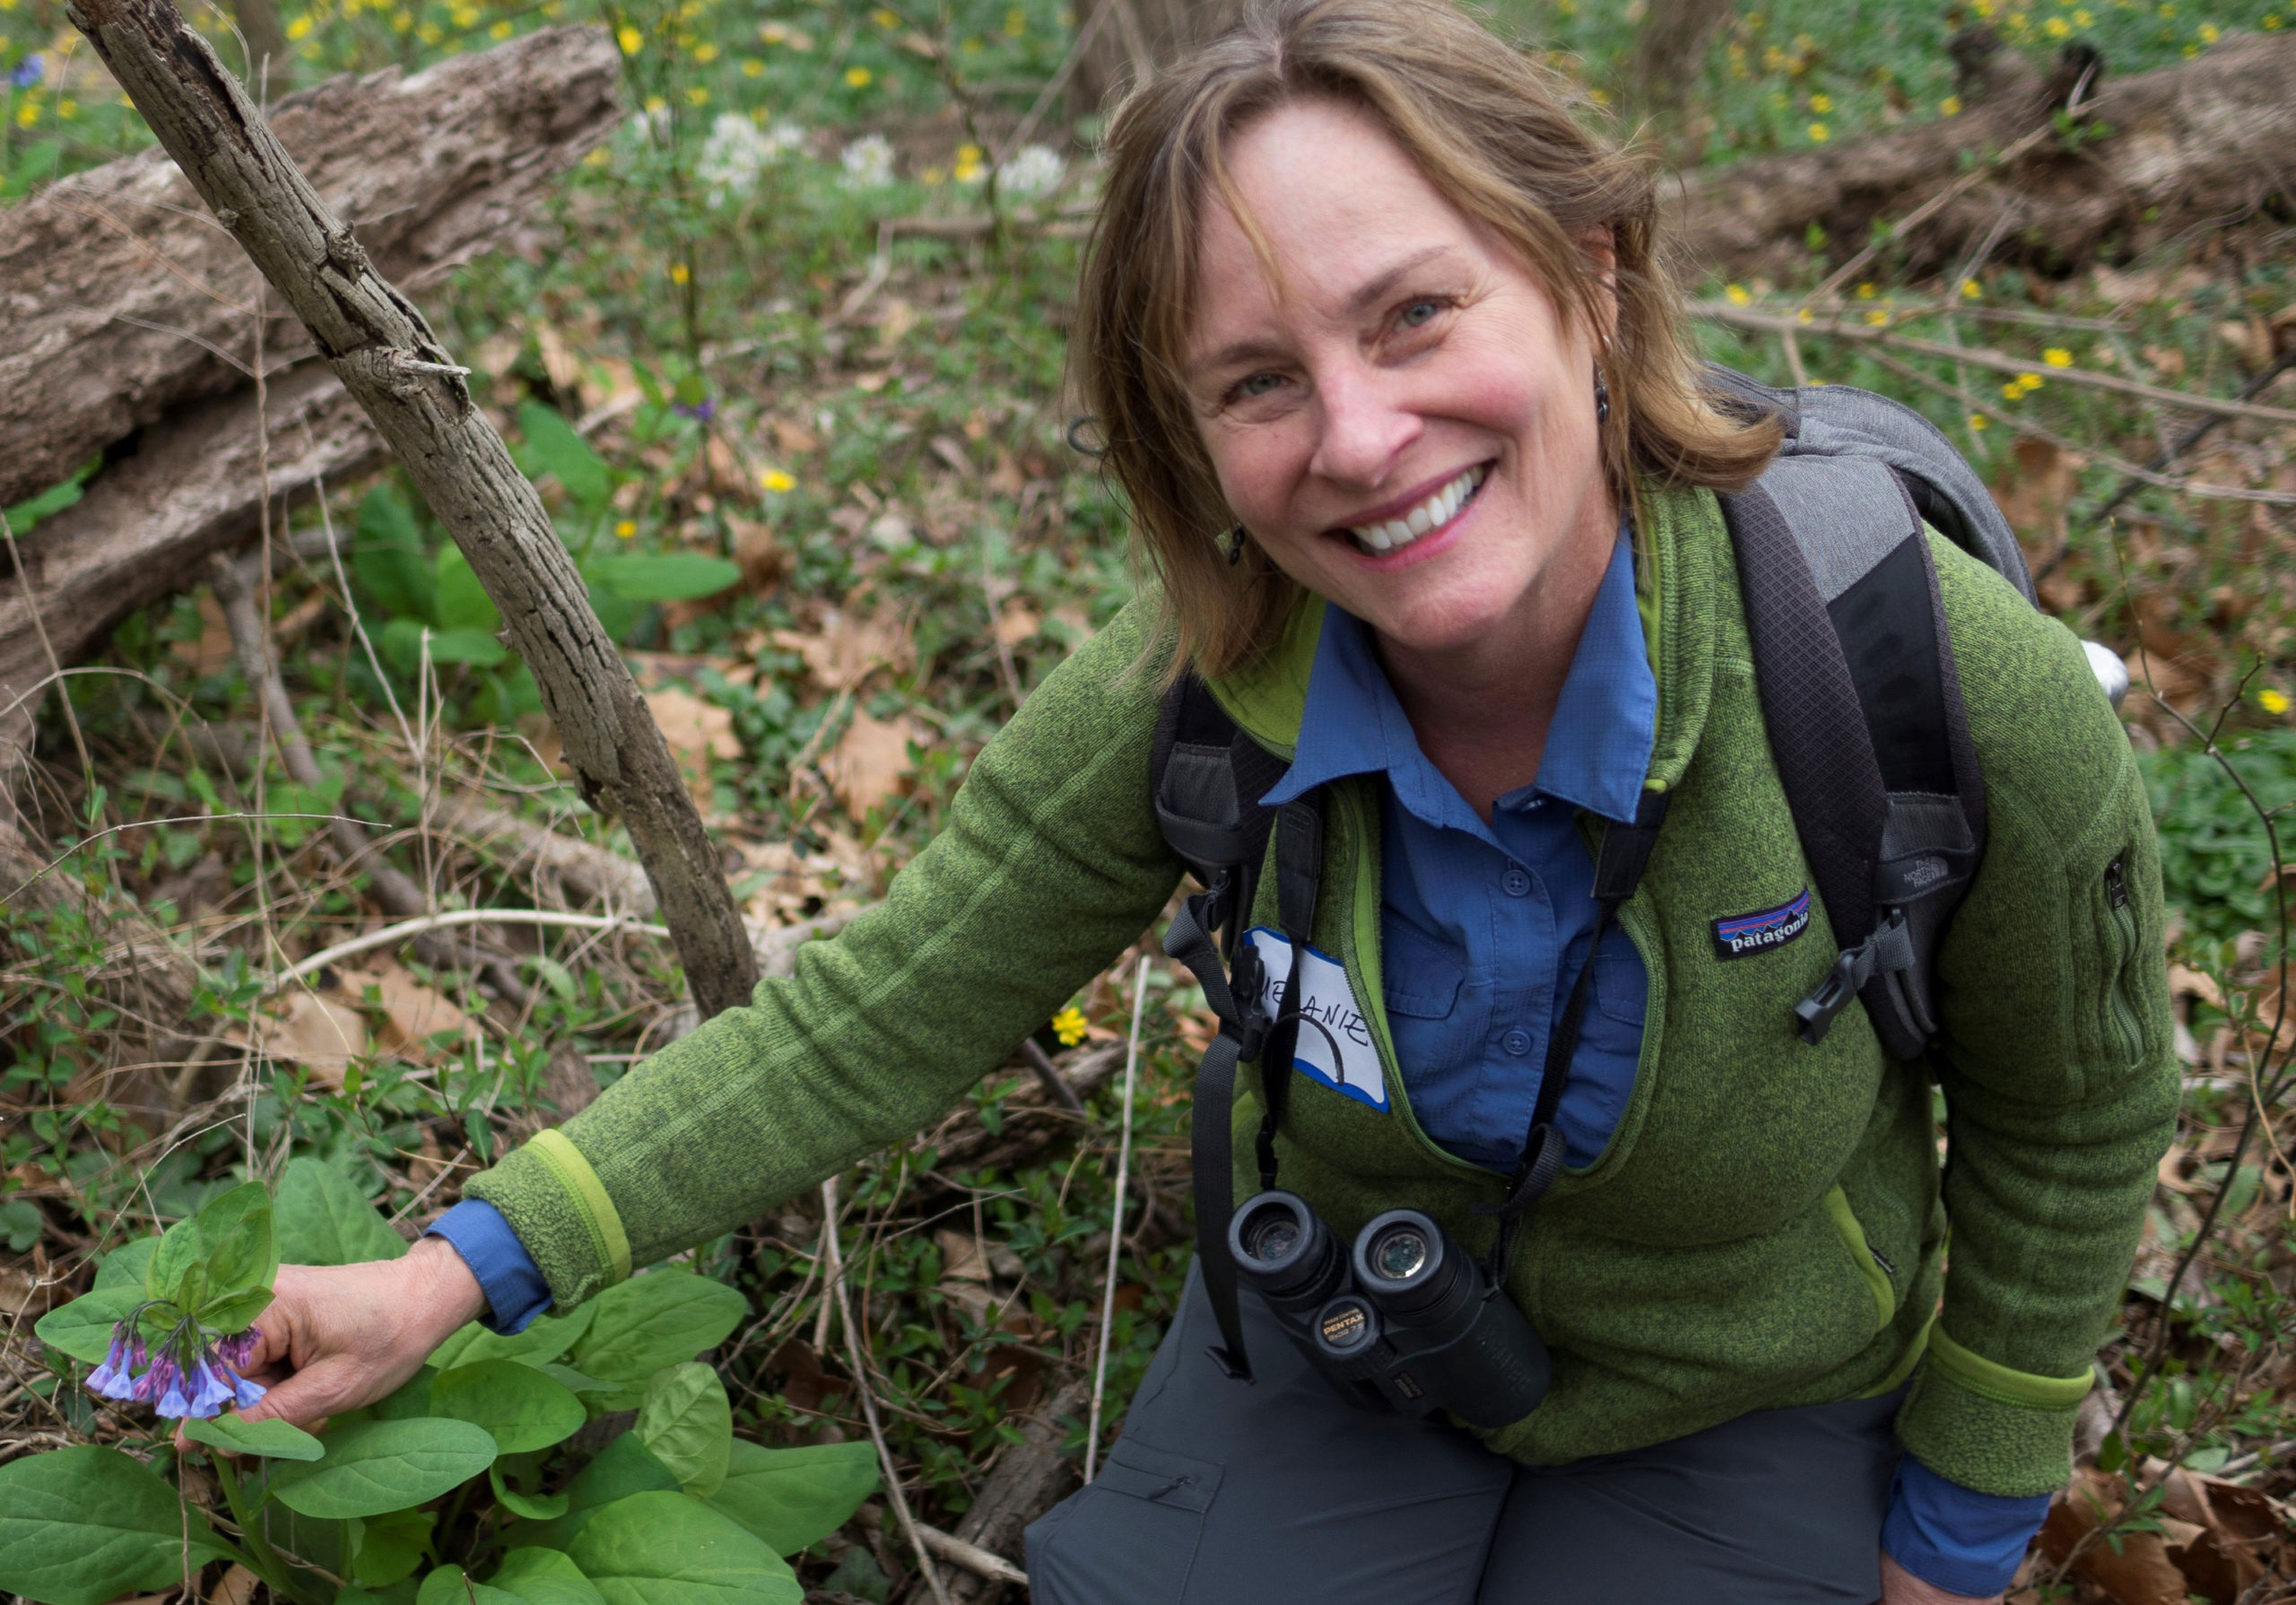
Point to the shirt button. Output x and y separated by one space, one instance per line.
1517 881
1517 1042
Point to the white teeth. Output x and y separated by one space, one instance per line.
1431 514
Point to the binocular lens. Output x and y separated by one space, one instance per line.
1399 1253
1270 1236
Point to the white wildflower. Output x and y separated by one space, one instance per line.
737 152
1033 172
869 163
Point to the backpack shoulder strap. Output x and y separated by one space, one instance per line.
1866 726
1206 777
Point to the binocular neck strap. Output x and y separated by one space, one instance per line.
1625 853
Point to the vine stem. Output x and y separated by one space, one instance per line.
261 1558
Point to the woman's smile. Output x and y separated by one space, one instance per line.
1406 524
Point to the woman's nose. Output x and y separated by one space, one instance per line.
1364 426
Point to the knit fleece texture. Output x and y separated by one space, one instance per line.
1766 1227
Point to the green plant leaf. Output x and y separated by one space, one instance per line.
236 1314
623 1467
533 1507
235 1231
21 1225
177 1271
653 1320
462 601
448 1585
552 447
125 1266
617 614
388 558
542 1341
321 1219
522 1409
83 1328
273 1439
663 1548
687 1423
545 1577
411 1399
85 1525
377 1466
664 576
477 647
389 1546
793 1497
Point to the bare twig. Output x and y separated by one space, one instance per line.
1116 1221
975 1559
1049 1074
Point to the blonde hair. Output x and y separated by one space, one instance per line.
1494 134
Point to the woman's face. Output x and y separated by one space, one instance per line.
1403 420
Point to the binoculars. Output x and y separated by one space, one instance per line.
1404 1322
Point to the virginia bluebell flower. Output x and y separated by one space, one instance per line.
702 411
27 72
190 1372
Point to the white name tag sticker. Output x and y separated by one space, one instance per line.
1328 1001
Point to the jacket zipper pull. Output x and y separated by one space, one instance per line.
2116 886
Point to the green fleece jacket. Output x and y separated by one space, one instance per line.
1767 1226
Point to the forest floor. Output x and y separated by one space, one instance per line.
796 316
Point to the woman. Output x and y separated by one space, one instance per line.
1365 295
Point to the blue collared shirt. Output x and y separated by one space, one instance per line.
1483 929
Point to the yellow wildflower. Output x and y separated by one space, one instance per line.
2057 28
2272 701
1820 133
2057 356
857 77
631 40
500 31
67 109
1822 103
626 528
775 481
2210 33
695 95
679 272
655 105
27 114
1868 291
934 175
299 28
1803 315
2083 19
885 19
1737 296
1016 23
1950 106
705 53
1979 421
1068 1025
1877 319
1971 289
429 34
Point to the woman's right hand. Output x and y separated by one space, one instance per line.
336 1337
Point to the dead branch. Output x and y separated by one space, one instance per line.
388 358
2151 156
587 872
121 299
1030 1478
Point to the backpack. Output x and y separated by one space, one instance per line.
1866 727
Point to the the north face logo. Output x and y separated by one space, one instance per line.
1742 934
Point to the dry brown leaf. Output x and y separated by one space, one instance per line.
961 1256
559 359
1018 625
846 650
865 768
210 654
2185 982
412 1013
760 556
794 437
2139 1572
696 730
609 383
236 1587
2034 489
314 1031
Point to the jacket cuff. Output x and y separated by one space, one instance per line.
1987 1427
562 1214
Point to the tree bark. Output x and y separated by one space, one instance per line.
389 360
147 524
120 300
2180 148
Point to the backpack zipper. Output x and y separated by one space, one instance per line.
2124 923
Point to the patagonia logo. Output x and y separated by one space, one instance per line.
1759 932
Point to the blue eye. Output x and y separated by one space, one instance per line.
1419 312
1259 384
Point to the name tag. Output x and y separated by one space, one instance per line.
1341 1055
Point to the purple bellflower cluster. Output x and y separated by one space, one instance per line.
187 1372
27 72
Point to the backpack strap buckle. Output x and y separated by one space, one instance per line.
1887 951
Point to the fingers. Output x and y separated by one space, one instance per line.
311 1395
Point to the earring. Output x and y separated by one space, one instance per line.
1602 396
1235 546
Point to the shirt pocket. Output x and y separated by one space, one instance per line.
1622 988
1423 977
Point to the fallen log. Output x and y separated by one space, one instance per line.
1030 1478
194 485
121 299
2142 159
387 356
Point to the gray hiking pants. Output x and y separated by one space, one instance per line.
1223 1494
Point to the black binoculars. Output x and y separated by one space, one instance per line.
1403 1322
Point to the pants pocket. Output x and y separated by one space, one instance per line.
1132 1536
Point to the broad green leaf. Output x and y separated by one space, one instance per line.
654 1321
409 1400
622 1468
377 1466
86 1525
448 1586
617 614
687 1422
388 558
21 1225
273 1439
522 1409
83 1328
664 576
545 1577
389 1546
402 1593
533 1507
542 1341
321 1219
125 1266
667 1550
462 601
236 1314
477 647
235 1230
178 1269
793 1497
554 448
567 1377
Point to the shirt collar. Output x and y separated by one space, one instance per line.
1597 749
